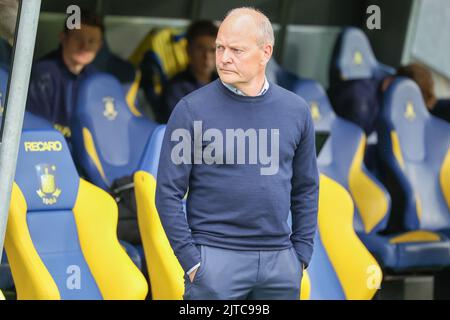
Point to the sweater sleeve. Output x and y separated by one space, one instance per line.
305 193
174 169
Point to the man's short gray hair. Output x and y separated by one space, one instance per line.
264 26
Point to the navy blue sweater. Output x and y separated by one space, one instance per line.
239 196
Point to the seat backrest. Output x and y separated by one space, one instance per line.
353 58
342 159
165 272
415 146
169 46
160 56
124 71
341 267
61 237
107 137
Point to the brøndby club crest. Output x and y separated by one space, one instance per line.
48 191
409 114
110 111
357 58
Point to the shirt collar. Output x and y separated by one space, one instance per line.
239 92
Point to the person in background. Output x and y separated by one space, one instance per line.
56 77
360 100
201 37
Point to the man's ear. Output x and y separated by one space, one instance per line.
267 53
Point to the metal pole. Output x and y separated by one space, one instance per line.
17 97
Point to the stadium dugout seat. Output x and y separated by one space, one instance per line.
159 56
341 159
353 58
124 71
61 235
108 138
415 149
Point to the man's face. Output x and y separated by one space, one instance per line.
80 46
201 55
239 57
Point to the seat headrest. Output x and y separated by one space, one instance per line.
353 56
45 172
405 112
403 103
102 108
321 110
34 122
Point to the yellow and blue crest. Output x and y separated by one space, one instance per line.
110 111
357 58
48 190
410 114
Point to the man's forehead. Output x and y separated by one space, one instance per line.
230 38
87 29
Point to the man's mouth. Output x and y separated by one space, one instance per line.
226 71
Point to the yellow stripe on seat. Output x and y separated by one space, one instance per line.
2 297
92 152
166 274
115 274
416 236
31 278
305 292
396 149
444 178
357 270
132 93
370 200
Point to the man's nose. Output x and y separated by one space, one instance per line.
83 44
226 56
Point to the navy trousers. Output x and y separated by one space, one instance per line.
240 275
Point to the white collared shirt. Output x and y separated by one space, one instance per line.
239 92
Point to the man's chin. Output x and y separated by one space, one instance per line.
83 60
228 78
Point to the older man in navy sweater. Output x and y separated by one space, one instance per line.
245 149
